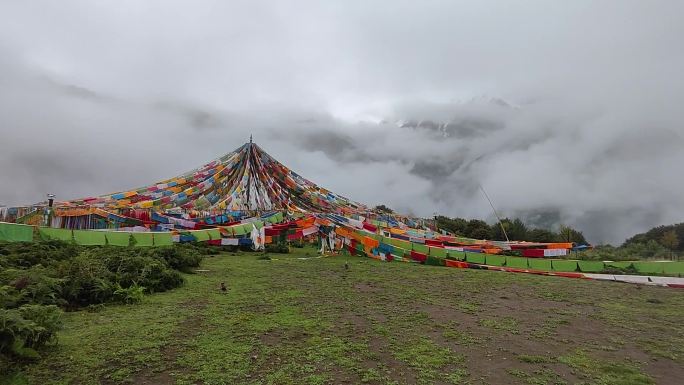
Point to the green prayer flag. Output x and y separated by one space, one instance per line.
248 227
229 231
214 233
238 230
200 235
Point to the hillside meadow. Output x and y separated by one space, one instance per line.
302 319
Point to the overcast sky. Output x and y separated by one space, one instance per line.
565 111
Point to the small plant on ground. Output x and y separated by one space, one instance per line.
130 295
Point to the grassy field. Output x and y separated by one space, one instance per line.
299 320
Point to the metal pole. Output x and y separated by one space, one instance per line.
495 213
48 216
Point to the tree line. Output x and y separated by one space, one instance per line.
515 229
661 242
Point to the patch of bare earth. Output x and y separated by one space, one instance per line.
565 327
366 287
492 354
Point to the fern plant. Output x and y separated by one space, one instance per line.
131 294
29 327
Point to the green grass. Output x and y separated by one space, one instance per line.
308 321
605 373
534 359
506 324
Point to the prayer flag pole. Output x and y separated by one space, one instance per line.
495 213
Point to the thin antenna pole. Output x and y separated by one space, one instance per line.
495 213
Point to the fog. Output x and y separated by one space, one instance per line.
565 112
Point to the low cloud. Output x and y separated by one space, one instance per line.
566 113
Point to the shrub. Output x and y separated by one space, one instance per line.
88 281
37 278
129 295
203 248
178 257
76 276
28 327
277 248
33 285
298 244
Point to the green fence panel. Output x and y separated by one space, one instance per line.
89 237
60 234
438 252
673 268
143 239
16 233
591 266
163 239
539 264
457 255
419 247
475 258
117 238
214 233
564 265
495 260
434 261
516 262
649 267
406 245
619 264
